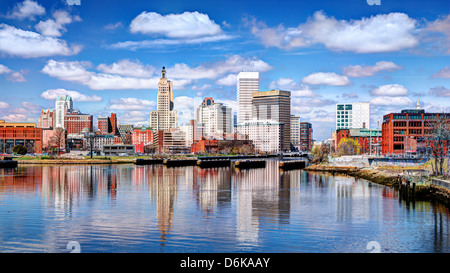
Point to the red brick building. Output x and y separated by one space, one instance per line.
108 125
140 137
75 122
47 119
26 134
406 132
203 146
369 139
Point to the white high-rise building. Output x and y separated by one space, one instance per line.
164 118
215 117
63 105
266 135
295 131
352 115
247 83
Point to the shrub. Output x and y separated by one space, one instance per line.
20 150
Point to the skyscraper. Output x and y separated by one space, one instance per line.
352 115
247 83
63 105
215 117
274 105
164 118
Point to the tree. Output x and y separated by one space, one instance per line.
438 140
20 149
348 146
58 139
320 153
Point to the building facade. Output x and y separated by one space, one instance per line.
352 115
123 130
267 136
216 118
63 105
141 137
47 119
306 136
295 131
369 140
14 133
75 122
247 84
164 118
407 131
274 105
108 125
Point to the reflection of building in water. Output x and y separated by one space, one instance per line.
213 188
163 189
262 196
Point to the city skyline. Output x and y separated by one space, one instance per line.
109 62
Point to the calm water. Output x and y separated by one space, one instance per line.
128 208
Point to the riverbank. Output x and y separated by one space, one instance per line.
388 177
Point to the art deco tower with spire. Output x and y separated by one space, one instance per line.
164 118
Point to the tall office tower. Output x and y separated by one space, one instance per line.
352 115
295 131
164 118
63 105
306 141
247 83
215 117
274 105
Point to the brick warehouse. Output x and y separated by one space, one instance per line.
406 132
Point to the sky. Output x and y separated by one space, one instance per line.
108 55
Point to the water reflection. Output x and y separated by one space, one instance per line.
159 209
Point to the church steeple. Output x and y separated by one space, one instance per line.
418 104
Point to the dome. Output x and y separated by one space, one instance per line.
85 130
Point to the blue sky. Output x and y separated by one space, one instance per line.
108 55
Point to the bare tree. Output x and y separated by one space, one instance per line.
438 140
58 139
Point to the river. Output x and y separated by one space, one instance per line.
155 209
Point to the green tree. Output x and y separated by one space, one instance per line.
20 149
348 146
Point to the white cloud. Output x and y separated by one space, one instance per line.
288 84
27 9
158 43
326 78
391 101
439 91
15 118
443 73
201 88
128 68
55 27
12 75
366 71
52 94
16 77
229 80
28 44
31 107
4 105
131 104
389 90
442 26
185 25
4 69
312 102
380 33
185 107
113 26
180 74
